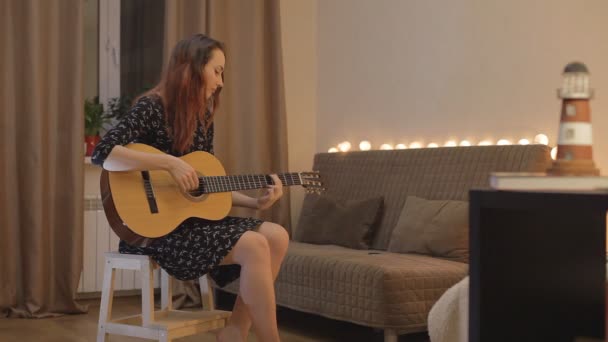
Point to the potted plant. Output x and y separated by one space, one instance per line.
118 107
94 120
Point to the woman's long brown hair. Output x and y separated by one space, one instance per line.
181 89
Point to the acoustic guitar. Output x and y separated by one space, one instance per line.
143 205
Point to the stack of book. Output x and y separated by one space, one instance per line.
542 181
588 339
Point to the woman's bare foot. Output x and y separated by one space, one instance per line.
229 333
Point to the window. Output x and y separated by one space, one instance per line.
123 47
141 44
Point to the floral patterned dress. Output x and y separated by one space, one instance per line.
197 246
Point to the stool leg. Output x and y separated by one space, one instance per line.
147 293
206 293
107 295
166 291
164 337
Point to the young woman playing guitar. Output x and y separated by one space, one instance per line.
176 117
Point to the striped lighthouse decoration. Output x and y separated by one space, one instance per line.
574 151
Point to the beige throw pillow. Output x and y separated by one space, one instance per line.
438 228
350 223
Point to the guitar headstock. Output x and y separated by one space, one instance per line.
311 181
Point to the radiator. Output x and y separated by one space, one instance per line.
98 239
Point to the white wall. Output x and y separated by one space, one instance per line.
398 71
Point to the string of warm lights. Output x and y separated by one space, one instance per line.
365 145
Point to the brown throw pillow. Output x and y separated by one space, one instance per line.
350 223
439 228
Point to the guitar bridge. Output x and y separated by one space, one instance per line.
149 192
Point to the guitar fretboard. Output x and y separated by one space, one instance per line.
210 184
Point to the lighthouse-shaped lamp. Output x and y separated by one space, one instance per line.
574 150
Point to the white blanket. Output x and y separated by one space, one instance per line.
449 317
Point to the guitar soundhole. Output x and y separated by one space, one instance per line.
198 194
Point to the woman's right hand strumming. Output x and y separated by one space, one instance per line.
125 159
183 174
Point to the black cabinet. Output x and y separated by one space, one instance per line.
538 265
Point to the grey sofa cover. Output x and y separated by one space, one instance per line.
388 290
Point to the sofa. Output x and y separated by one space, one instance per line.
376 287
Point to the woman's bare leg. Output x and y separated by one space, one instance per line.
240 320
256 301
278 240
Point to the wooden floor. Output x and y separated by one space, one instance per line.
294 327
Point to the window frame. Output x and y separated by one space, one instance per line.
109 50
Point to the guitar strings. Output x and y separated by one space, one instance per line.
245 182
214 184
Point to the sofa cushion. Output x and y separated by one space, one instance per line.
347 223
446 173
376 290
433 227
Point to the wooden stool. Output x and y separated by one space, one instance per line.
163 325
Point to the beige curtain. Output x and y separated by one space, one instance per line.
250 127
41 144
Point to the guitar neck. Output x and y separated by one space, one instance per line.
213 184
